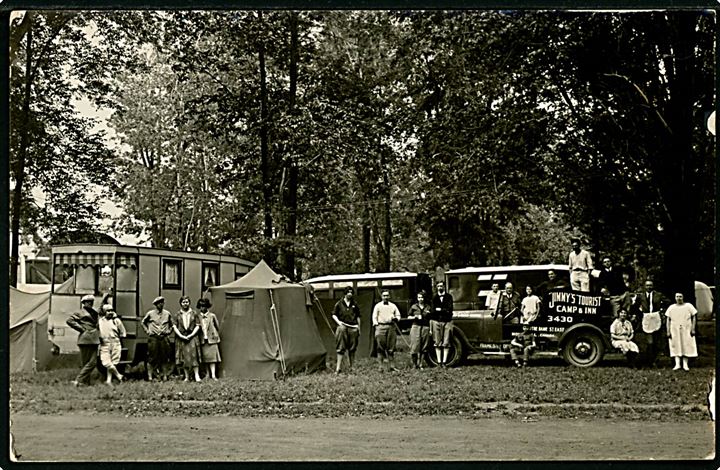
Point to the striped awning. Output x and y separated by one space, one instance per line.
94 259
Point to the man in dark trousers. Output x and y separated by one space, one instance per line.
85 322
651 305
441 323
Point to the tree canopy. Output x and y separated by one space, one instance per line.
346 141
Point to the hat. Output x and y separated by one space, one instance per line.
107 308
158 299
87 298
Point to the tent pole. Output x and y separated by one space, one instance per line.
34 346
276 326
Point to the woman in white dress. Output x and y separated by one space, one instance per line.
680 323
621 335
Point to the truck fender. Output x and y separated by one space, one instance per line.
566 334
459 334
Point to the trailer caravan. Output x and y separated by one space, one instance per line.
130 278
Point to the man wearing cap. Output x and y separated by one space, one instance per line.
85 322
346 314
157 324
441 323
580 265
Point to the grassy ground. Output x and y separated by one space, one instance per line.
482 389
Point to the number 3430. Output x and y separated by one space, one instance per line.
559 319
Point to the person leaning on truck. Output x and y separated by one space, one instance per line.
158 326
441 323
85 322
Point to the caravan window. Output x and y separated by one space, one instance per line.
210 275
78 273
172 273
126 272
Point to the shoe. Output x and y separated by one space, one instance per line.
518 363
686 368
121 378
394 369
215 379
676 368
75 383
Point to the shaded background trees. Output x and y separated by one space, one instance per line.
331 142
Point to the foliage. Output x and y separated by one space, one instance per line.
402 140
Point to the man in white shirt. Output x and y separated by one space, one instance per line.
384 318
492 298
580 265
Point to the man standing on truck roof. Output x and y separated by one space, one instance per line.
441 323
157 325
385 318
346 314
86 323
580 265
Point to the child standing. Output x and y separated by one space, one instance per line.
111 330
210 339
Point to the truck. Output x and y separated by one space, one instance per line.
572 324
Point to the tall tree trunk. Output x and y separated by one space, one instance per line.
291 194
265 162
19 169
679 188
366 238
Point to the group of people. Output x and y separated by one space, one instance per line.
429 320
197 340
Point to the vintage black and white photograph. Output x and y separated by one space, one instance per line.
362 235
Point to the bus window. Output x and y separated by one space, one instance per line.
210 275
372 284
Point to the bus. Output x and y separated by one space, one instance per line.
130 278
403 287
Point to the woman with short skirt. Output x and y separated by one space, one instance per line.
186 325
680 322
210 339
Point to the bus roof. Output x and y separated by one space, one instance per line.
360 277
509 269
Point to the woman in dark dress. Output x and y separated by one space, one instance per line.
186 324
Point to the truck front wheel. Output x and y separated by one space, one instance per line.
455 355
583 349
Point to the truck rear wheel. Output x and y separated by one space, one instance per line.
455 355
583 349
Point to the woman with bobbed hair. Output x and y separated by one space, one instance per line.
210 337
186 325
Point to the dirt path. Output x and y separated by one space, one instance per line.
80 438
